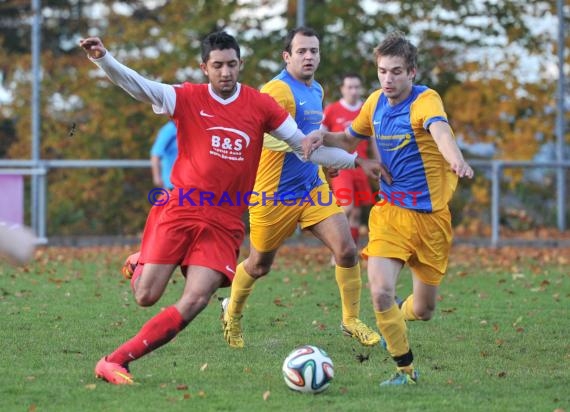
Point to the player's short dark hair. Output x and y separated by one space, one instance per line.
396 44
218 40
350 75
305 31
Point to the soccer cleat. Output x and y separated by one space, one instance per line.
402 378
113 372
361 332
232 326
130 265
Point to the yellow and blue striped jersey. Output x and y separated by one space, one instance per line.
422 178
280 170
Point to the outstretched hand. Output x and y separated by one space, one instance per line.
374 169
462 169
311 142
93 46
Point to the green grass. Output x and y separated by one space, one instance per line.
500 339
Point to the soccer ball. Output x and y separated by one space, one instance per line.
308 369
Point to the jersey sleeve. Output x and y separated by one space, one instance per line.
281 93
362 126
160 95
427 109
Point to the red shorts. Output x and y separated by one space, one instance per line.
192 235
351 186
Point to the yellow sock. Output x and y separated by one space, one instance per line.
407 369
393 328
241 289
350 287
408 309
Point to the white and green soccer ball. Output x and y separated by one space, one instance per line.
308 369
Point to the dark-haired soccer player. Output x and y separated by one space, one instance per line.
220 135
281 172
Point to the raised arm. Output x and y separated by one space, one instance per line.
161 96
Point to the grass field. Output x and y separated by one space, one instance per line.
500 340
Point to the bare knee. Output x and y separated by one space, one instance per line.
258 269
346 255
383 298
424 312
145 297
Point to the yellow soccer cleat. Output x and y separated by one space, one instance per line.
361 332
231 326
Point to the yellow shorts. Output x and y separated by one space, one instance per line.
273 221
423 240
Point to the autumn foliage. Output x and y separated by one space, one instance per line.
486 102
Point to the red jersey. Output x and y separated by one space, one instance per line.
219 144
338 117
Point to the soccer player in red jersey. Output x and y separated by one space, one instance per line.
351 186
220 136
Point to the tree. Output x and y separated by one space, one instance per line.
161 39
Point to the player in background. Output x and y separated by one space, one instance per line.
351 184
420 163
220 136
280 171
163 154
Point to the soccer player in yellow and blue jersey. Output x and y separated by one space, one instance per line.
411 224
291 192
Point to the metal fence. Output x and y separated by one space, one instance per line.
39 170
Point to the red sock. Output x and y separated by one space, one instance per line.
158 331
354 231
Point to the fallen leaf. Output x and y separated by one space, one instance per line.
502 374
90 386
201 394
187 396
266 395
181 387
32 407
278 302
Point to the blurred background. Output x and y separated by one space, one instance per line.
74 148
